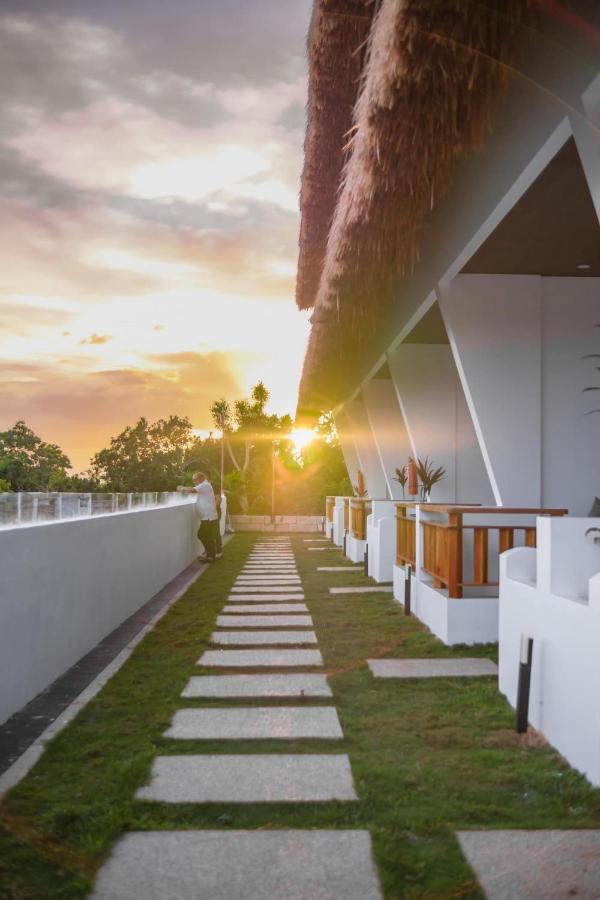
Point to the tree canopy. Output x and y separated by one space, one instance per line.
27 463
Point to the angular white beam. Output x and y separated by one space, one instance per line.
388 428
370 462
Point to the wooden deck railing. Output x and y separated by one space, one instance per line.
443 544
329 504
346 514
359 510
405 536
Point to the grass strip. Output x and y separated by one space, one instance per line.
428 756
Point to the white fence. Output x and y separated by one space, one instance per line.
39 508
64 587
553 596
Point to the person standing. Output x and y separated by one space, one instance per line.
206 508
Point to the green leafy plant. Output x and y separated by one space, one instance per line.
401 477
428 476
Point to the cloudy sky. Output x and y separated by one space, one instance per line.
149 163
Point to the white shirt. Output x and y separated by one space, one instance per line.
205 501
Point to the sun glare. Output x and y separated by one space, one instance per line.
302 437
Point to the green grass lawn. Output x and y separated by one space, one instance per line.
428 756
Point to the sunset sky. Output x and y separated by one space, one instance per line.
150 156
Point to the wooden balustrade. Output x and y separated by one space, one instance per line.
359 510
443 543
346 514
405 537
329 504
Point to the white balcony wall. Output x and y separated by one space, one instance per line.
65 586
553 596
519 343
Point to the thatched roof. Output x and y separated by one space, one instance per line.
336 48
431 78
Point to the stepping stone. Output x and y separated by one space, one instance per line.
256 723
251 659
385 589
267 579
315 540
322 548
270 608
529 865
264 588
340 569
264 598
240 865
254 638
253 621
292 685
249 778
432 668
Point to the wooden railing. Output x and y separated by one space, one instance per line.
405 537
346 515
359 510
329 504
443 544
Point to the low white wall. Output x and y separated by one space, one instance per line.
541 597
355 549
381 538
66 585
338 522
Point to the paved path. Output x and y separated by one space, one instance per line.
267 618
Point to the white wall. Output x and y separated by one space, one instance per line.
389 431
553 596
366 448
348 445
66 585
518 343
437 420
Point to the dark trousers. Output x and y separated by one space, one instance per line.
206 534
218 539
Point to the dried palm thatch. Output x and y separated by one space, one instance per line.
336 49
432 77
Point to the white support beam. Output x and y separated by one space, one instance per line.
348 445
370 462
586 131
388 428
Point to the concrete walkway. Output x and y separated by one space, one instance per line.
266 616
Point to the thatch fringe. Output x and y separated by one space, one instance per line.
336 49
432 77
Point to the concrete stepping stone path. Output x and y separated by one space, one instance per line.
531 865
249 778
240 865
358 568
432 668
252 659
271 685
255 638
256 722
270 608
275 621
265 614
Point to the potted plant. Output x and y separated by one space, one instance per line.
428 476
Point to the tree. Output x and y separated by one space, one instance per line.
248 435
27 462
147 457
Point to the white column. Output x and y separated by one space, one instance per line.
388 429
494 327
